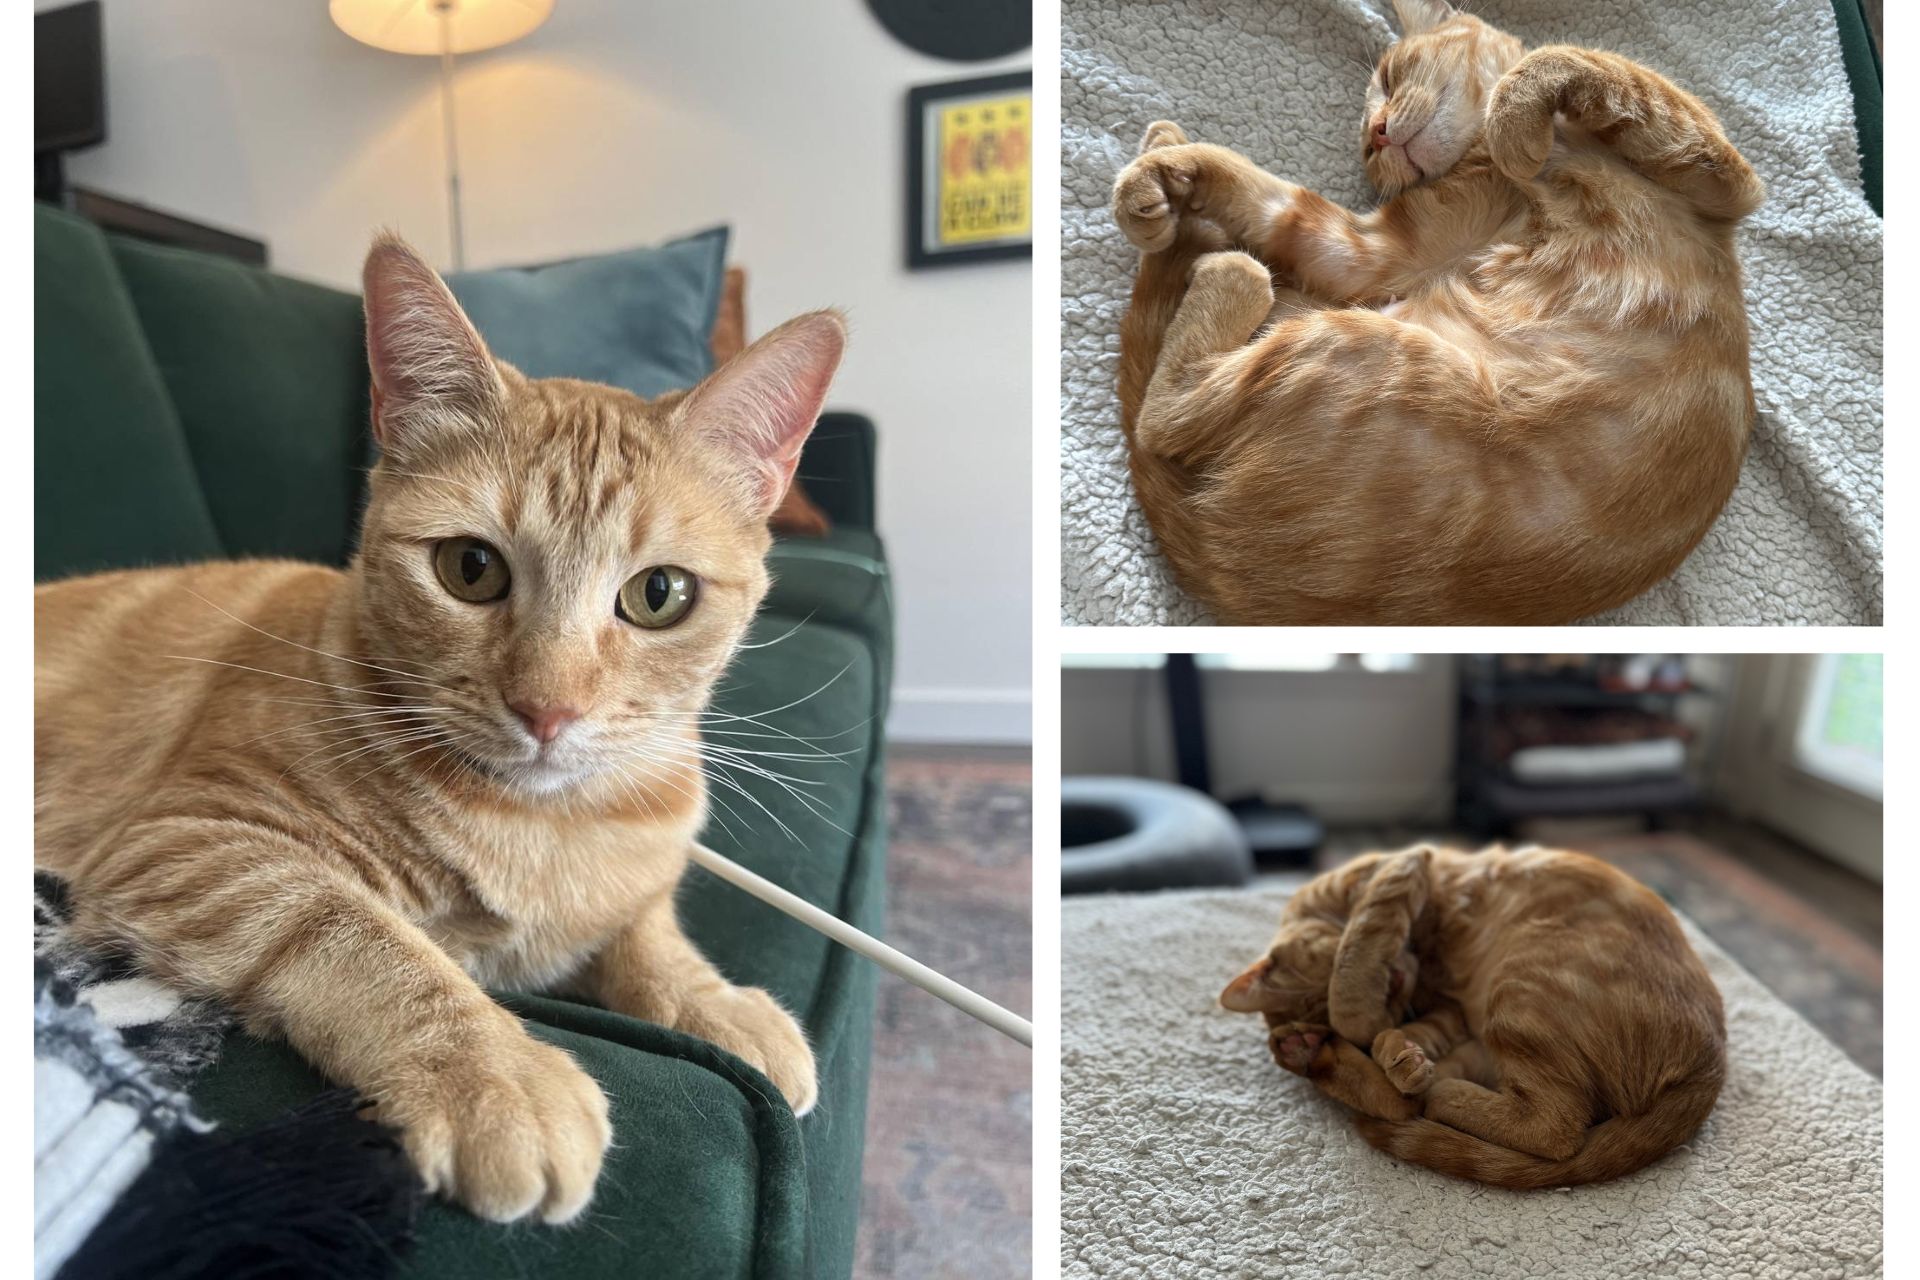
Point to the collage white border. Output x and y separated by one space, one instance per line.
1050 638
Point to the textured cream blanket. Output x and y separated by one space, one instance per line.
1282 81
1186 1152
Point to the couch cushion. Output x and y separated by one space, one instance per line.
639 319
838 465
113 481
811 696
706 1176
839 579
269 375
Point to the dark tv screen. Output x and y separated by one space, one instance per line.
69 89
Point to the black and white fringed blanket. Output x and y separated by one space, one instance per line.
130 1182
176 1038
112 1051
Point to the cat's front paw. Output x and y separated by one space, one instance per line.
1294 1045
1150 195
750 1024
507 1128
1405 1062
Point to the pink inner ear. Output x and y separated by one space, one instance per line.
420 345
765 400
800 409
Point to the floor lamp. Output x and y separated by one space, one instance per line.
442 29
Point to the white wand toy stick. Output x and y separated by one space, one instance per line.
969 1002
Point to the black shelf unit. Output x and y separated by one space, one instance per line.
1489 800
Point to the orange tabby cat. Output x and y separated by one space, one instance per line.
1565 1030
342 801
1516 392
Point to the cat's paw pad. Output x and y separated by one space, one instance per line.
1162 133
1405 1062
1294 1046
1149 197
1238 280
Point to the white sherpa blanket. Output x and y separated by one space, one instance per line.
1282 81
1185 1152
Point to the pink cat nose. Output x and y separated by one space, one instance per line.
544 723
1380 132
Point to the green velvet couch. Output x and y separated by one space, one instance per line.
187 407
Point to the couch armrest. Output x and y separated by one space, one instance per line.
837 468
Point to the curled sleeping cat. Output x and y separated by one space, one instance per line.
342 801
1516 392
1563 1031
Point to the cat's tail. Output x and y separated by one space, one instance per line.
1614 1148
1665 133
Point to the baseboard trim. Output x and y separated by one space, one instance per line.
1369 802
961 715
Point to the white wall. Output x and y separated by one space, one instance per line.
1354 746
620 123
1757 776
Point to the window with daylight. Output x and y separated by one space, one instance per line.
1839 734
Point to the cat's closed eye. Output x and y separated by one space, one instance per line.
471 570
658 597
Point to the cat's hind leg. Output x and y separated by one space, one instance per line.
1527 1113
1227 302
1469 1060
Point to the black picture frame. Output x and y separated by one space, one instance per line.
922 187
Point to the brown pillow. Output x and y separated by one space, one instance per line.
796 512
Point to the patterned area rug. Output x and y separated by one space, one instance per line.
948 1185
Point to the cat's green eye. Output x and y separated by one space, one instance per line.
471 570
656 597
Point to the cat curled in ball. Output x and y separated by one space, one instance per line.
343 802
1527 1019
1515 392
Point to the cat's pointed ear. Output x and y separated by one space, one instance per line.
762 404
432 374
1246 993
1417 17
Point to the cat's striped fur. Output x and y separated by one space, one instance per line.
1516 392
1563 1029
317 795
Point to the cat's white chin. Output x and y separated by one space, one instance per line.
540 776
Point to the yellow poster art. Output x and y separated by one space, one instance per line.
970 161
985 151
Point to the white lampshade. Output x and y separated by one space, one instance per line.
413 26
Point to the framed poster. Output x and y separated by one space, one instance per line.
970 171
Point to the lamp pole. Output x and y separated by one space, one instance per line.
444 8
